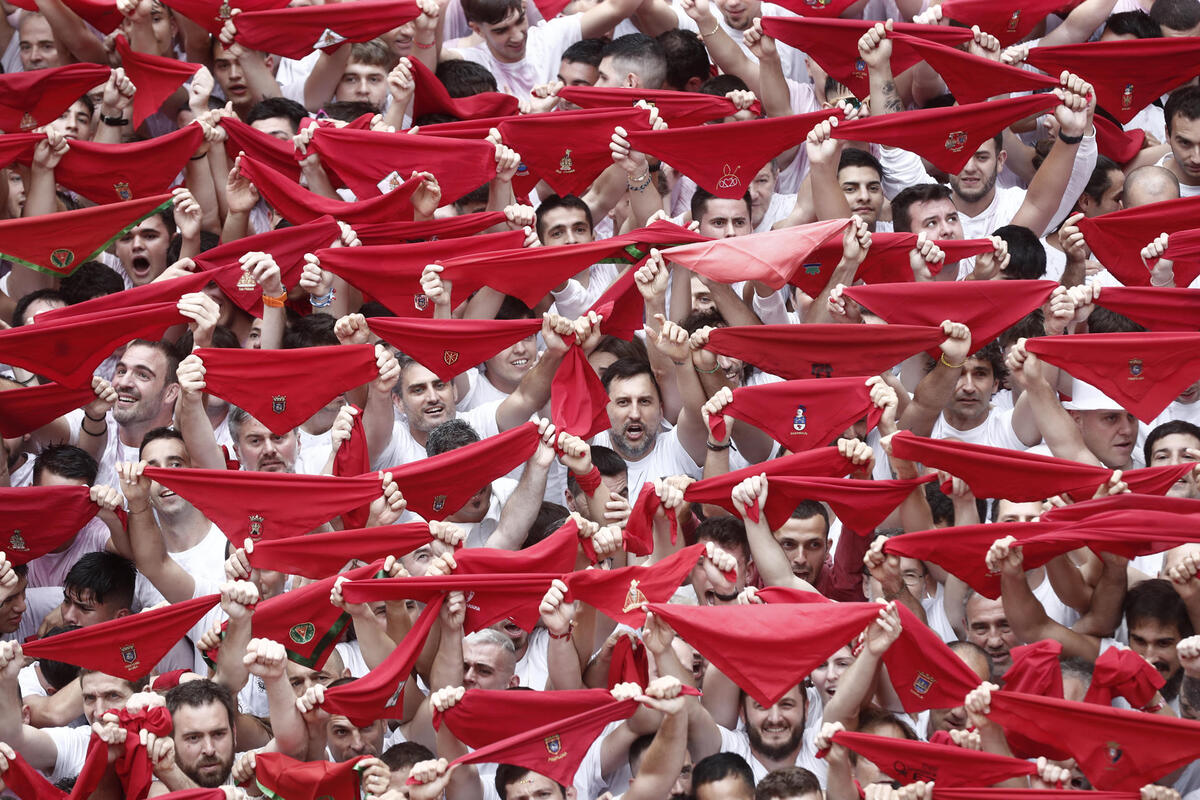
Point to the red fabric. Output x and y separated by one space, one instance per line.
113 173
550 9
38 519
297 204
1162 64
622 594
946 137
69 348
29 784
439 486
289 779
909 761
1121 502
365 160
833 43
1035 669
492 597
1029 794
266 505
1117 238
1143 372
569 149
1115 748
799 414
677 109
128 647
774 257
296 32
817 8
391 273
630 663
997 472
431 97
265 149
1184 244
194 794
58 243
1009 24
155 77
211 14
555 553
133 764
102 14
353 459
1159 309
638 536
25 410
31 99
578 400
887 260
320 555
129 300
1117 143
822 351
448 347
972 78
380 693
277 387
988 308
504 727
286 245
620 308
167 680
767 650
924 671
1123 673
464 225
462 129
692 150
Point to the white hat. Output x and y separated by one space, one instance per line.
1085 397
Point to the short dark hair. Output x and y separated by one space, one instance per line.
272 107
855 157
199 693
170 355
728 533
686 58
700 203
1156 599
720 766
508 774
992 354
549 518
709 317
1170 428
348 110
405 754
721 85
512 308
1176 15
450 435
1026 256
91 279
941 507
1133 23
1103 320
154 435
807 509
65 461
641 55
315 330
464 78
918 193
623 348
1101 180
375 52
18 317
585 51
624 368
490 12
873 719
1184 102
787 782
559 201
108 577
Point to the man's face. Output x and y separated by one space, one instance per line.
487 666
973 392
143 250
40 305
776 732
565 226
401 39
825 677
203 743
506 368
518 635
171 453
140 381
987 626
80 607
103 693
863 190
346 740
39 48
75 122
535 786
978 178
761 189
1184 138
806 543
1173 449
938 218
739 13
1109 434
16 193
636 414
706 591
260 450
363 83
609 75
279 127
577 73
13 608
506 39
230 76
1008 511
1155 641
724 218
1111 199
425 399
730 787
303 678
701 296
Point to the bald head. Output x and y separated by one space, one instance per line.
1150 184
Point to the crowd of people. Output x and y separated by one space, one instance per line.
476 399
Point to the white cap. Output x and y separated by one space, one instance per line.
1085 397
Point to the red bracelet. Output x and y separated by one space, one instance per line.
589 482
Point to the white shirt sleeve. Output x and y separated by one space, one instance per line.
1081 173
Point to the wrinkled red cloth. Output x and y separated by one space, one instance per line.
31 99
909 761
352 458
692 150
265 149
817 8
512 596
886 261
972 78
155 77
1035 669
430 97
27 409
630 663
1009 24
924 671
101 14
448 347
133 764
296 32
578 400
464 225
320 555
37 519
800 414
1159 309
266 505
1143 371
128 647
678 109
1123 673
1117 238
620 308
1117 143
297 204
622 594
380 693
283 777
211 14
1121 502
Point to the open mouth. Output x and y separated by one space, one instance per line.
634 431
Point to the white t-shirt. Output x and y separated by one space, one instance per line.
543 52
739 742
404 449
204 562
1185 190
52 568
71 745
667 458
314 451
780 206
533 669
995 431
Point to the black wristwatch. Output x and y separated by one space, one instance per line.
115 122
1062 137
